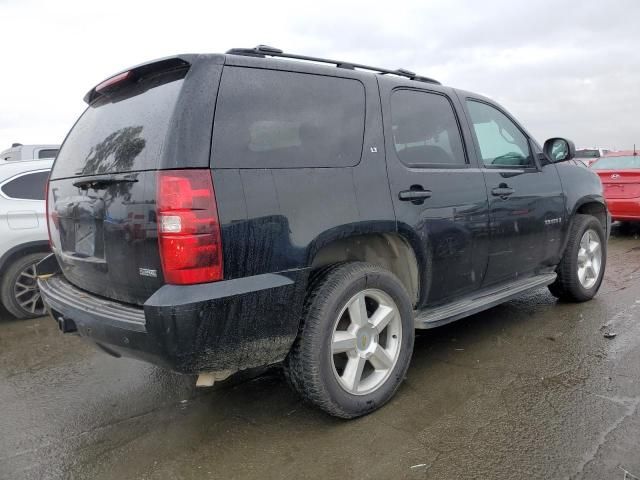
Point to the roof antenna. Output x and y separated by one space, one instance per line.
634 150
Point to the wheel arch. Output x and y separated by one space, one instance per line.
590 205
595 207
386 247
39 246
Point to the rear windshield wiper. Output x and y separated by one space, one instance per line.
102 181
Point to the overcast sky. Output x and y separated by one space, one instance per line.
563 68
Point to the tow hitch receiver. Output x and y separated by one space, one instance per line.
66 325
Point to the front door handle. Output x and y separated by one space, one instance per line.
502 191
415 195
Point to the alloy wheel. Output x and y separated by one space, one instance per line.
589 259
366 341
27 293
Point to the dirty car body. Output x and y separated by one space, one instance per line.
334 181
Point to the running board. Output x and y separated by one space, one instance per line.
437 316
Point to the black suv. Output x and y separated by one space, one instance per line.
214 213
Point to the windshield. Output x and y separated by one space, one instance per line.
617 163
587 153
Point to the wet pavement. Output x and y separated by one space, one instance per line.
529 389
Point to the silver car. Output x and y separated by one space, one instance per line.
23 232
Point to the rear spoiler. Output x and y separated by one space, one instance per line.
133 76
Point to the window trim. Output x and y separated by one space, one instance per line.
533 167
426 166
15 177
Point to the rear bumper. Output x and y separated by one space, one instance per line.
624 208
223 326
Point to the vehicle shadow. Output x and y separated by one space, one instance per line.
5 316
244 420
625 229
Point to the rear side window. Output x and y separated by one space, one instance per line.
425 129
48 153
275 119
29 186
123 134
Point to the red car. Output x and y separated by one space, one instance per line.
620 176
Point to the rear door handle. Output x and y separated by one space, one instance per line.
416 196
502 191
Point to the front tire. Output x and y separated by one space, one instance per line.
581 269
355 341
19 290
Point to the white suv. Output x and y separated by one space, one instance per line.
23 231
19 151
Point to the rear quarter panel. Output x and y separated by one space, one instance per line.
276 219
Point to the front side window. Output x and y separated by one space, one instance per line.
27 187
276 119
501 142
425 129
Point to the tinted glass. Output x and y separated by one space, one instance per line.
48 153
122 135
501 142
585 153
275 119
27 187
617 163
425 130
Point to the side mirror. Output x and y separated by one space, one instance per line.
559 149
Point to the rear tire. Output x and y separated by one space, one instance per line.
582 267
19 290
355 340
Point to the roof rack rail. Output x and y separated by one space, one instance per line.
265 50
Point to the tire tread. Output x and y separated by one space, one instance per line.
6 284
301 368
567 286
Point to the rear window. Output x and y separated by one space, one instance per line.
275 119
617 163
122 134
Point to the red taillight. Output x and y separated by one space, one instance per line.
188 228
